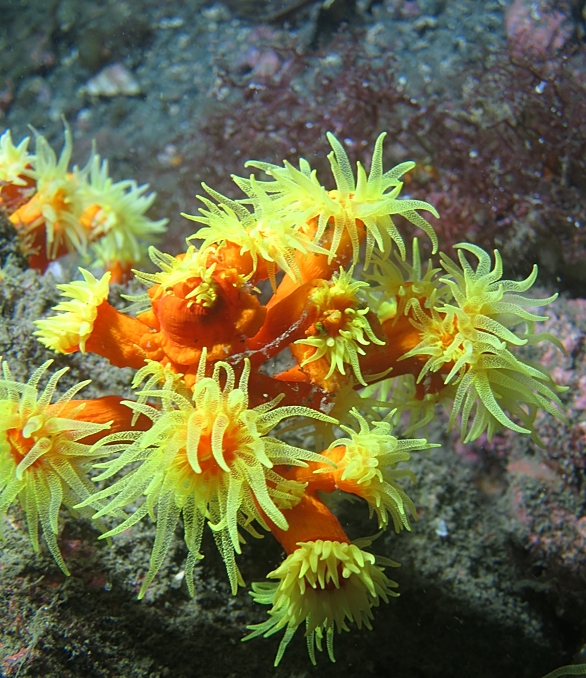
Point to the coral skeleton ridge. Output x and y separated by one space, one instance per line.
377 338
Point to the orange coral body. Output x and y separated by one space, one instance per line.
222 328
211 450
13 196
310 520
118 337
316 266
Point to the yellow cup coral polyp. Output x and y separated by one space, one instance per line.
198 302
87 322
325 585
338 334
45 450
207 457
57 211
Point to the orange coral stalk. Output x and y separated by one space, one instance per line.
119 338
47 240
27 220
294 374
120 271
285 322
313 266
89 323
296 392
309 520
402 337
13 196
320 476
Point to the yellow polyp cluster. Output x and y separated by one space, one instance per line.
43 461
114 215
208 458
71 329
342 327
363 202
368 468
326 585
53 213
57 210
192 269
400 284
208 439
268 234
469 342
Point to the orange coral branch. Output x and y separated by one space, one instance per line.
118 337
310 520
285 322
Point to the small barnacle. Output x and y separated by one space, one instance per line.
326 585
43 459
207 457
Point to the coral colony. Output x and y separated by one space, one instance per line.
372 333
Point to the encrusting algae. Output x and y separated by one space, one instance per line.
374 335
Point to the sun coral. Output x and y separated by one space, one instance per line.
49 222
14 161
341 328
365 465
43 457
324 584
206 457
89 322
71 329
361 201
57 210
207 440
470 341
16 175
271 236
114 214
456 337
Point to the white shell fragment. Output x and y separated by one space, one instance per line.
114 80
